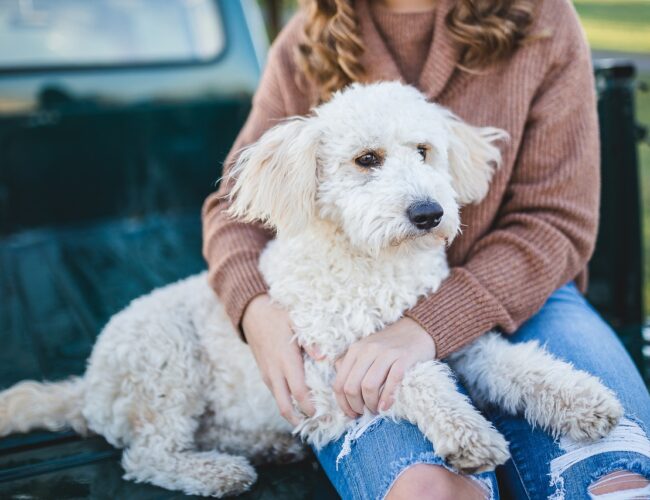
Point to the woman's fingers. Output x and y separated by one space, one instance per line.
270 336
352 385
295 375
280 391
373 381
394 378
343 366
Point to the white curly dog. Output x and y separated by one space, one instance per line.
364 194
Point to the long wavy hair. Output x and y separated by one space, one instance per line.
486 31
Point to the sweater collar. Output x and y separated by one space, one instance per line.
439 64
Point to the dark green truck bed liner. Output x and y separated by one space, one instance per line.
64 465
59 287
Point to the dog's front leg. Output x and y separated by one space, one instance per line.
428 397
550 393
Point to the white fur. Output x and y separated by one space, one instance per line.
170 381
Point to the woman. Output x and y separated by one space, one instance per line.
519 266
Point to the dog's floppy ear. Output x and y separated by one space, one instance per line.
275 178
473 157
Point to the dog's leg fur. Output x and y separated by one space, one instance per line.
149 382
551 393
428 397
155 460
162 447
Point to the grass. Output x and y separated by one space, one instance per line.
618 25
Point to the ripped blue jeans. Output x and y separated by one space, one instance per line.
541 467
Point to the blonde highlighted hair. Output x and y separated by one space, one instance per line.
486 31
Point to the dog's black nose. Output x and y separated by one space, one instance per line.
425 214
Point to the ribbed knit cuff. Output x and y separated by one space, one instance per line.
238 284
460 311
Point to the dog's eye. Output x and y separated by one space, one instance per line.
368 160
422 149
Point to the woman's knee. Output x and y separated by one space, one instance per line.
424 481
635 485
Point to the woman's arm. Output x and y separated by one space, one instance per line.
546 228
232 249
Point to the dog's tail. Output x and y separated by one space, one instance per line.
43 405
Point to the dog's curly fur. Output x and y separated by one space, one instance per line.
169 380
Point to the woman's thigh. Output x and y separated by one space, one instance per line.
541 467
365 462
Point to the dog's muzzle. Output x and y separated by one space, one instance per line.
425 215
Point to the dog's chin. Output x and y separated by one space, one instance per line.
418 236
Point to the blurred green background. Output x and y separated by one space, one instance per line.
617 25
621 28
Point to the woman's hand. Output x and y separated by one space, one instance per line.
372 368
268 332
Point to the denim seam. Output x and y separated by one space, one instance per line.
496 418
521 479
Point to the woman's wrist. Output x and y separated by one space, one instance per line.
423 337
251 312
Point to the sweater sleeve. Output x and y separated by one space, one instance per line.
232 248
545 230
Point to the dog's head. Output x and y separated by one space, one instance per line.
378 161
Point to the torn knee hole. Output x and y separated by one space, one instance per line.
622 481
423 480
622 484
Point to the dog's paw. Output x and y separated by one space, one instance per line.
208 474
472 448
591 411
480 451
225 476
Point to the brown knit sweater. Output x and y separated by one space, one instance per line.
535 230
407 36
